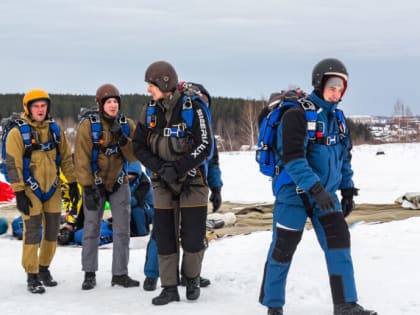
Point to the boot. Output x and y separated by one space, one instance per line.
193 288
124 281
33 284
351 308
149 284
90 281
275 311
168 294
45 277
204 282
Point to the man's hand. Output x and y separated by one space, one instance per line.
322 197
216 198
347 201
117 132
92 197
23 203
168 173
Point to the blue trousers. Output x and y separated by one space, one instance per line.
334 239
151 265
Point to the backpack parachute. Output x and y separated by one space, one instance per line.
270 119
266 155
190 92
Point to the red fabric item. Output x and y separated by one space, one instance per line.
6 192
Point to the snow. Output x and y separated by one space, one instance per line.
386 256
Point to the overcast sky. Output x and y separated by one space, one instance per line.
237 48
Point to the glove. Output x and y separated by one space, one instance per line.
74 193
322 197
92 197
216 198
142 190
347 202
23 203
118 133
168 173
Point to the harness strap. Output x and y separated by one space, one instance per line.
96 132
31 145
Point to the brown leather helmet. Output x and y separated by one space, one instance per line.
104 92
163 75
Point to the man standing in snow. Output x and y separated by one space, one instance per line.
310 173
173 139
103 148
36 149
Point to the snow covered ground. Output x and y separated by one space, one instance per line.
386 256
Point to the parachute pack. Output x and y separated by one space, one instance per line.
31 143
190 92
266 151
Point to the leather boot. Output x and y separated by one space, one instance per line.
193 288
168 294
45 277
90 281
33 284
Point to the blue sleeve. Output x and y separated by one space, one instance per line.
214 175
293 145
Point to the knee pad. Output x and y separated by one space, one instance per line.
32 229
52 226
286 243
336 230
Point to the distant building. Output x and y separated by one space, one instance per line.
362 119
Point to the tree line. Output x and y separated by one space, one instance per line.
234 119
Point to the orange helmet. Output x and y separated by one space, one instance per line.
35 95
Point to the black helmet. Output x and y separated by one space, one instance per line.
65 236
163 75
325 68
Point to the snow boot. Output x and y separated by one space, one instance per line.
33 284
351 308
168 294
193 288
204 282
124 281
149 284
45 277
275 311
90 281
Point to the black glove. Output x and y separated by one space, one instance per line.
117 132
92 197
216 198
347 202
168 173
23 203
74 193
142 190
322 197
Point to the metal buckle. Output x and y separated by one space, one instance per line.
167 132
33 185
331 140
98 180
299 190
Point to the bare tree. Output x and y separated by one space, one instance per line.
248 125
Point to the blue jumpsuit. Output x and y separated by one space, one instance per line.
326 160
